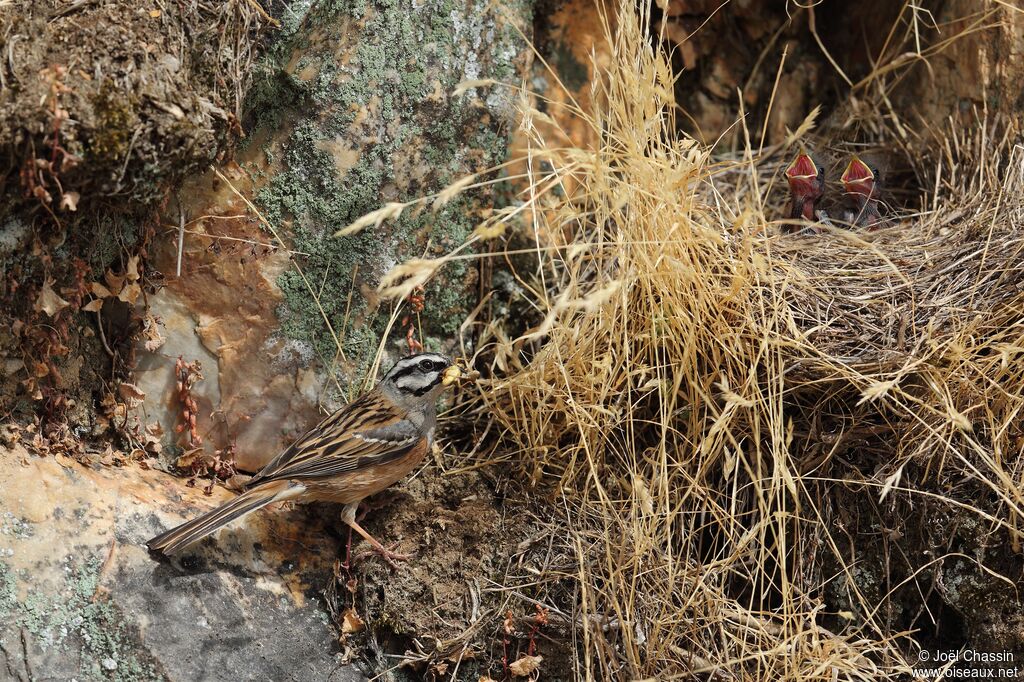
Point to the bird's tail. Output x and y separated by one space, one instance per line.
192 531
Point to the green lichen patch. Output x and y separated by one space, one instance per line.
14 526
8 591
76 617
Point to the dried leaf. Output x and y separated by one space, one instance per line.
152 438
189 457
114 282
154 341
525 666
351 622
48 301
154 13
70 200
133 269
39 193
100 290
131 394
93 306
130 293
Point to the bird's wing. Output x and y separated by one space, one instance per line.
366 433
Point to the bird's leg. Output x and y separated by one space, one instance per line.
391 557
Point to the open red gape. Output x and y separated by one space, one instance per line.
802 167
857 172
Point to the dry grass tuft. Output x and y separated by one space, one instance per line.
696 386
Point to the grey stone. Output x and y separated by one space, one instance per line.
81 598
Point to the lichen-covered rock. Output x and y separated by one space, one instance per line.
353 109
80 598
363 100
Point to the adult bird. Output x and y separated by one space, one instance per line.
806 186
359 450
861 189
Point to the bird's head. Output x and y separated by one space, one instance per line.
858 178
805 178
420 378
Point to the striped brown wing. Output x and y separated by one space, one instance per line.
365 433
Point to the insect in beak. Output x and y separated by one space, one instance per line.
451 375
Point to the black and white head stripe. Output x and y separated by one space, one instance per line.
418 374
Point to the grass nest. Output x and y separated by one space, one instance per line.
702 398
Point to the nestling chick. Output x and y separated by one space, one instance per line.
806 186
861 188
359 450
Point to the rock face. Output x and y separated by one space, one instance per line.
80 597
953 581
104 106
101 99
354 109
981 69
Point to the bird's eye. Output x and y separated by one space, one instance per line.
821 170
428 365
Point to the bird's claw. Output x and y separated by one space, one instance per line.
388 554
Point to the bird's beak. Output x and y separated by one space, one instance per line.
451 375
858 178
802 174
802 168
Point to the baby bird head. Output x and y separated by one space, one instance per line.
860 180
420 378
806 179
